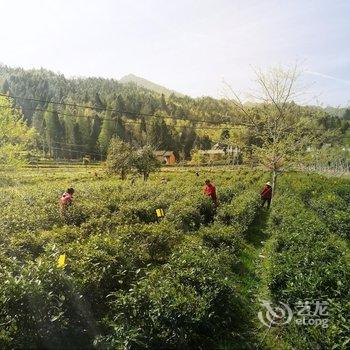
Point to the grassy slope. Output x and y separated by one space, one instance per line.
255 265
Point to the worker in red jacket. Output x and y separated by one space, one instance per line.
266 194
210 190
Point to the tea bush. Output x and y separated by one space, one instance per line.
241 210
188 303
188 214
135 281
41 308
309 263
334 211
218 236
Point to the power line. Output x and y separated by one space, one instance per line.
73 151
70 144
124 121
223 125
139 114
136 114
84 116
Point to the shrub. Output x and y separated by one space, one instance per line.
188 303
139 212
220 237
189 213
41 308
241 210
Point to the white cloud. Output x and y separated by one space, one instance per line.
326 76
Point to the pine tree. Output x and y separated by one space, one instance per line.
86 97
163 104
84 123
77 140
120 104
347 114
187 139
5 87
38 121
54 132
120 131
159 135
107 132
98 105
94 134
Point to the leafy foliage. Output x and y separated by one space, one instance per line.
16 138
145 162
119 158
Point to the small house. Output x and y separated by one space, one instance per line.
166 157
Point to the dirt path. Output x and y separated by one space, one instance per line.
253 282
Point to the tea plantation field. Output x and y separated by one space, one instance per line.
191 280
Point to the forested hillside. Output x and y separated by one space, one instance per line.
79 116
87 116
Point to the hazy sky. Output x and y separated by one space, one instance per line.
186 45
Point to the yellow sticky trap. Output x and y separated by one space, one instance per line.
61 263
160 213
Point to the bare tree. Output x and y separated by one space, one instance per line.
280 127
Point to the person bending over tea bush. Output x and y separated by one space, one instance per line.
67 198
266 194
66 201
210 191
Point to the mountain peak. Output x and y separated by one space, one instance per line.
147 84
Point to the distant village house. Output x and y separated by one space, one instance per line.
166 157
213 154
219 152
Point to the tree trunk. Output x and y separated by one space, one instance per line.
274 182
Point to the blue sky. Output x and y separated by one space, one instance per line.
186 45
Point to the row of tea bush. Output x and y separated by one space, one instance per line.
310 260
131 280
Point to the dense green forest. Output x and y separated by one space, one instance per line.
79 116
